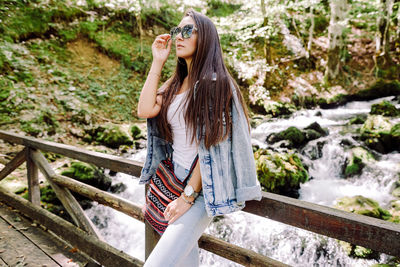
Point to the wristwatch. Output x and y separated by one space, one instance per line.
189 192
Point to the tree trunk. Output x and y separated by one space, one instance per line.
311 32
337 24
267 47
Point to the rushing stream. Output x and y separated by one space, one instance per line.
287 244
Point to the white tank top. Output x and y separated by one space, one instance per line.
184 151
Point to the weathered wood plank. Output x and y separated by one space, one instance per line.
52 246
100 196
33 179
235 253
357 229
65 196
13 164
20 251
114 163
98 250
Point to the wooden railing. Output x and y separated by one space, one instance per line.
369 232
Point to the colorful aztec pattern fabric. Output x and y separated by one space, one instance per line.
164 188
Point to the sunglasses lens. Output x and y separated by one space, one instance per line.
174 32
187 31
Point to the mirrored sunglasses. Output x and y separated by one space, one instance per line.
186 31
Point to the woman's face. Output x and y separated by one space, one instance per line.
185 48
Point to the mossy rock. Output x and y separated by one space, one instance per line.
354 167
379 134
81 117
357 120
359 158
364 206
376 124
88 174
295 137
298 138
278 109
385 108
111 136
136 132
280 172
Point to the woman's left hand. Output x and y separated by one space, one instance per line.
176 209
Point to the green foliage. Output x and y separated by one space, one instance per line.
166 16
218 8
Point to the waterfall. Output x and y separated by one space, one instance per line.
282 242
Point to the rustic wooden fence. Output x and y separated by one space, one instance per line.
369 232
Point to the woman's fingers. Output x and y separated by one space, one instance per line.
175 209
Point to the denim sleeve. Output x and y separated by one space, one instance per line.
248 187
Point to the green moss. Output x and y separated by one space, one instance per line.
357 120
355 167
385 108
136 132
80 171
294 135
364 206
112 136
279 172
88 174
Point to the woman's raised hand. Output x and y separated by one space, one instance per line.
161 47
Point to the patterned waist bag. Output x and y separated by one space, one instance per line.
165 187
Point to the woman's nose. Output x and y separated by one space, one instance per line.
179 36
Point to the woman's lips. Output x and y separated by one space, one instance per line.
179 46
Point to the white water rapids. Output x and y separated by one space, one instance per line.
284 243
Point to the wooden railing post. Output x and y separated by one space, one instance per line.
33 179
151 236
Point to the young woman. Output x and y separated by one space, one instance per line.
198 111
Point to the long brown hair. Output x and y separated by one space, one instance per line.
208 102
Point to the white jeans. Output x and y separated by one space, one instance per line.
178 245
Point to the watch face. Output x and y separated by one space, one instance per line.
189 190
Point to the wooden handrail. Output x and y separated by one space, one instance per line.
111 162
357 229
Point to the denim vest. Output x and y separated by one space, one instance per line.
228 171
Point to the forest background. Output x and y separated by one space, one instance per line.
69 63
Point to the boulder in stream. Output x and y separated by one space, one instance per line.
88 174
280 173
110 135
359 158
385 108
298 138
278 109
380 135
